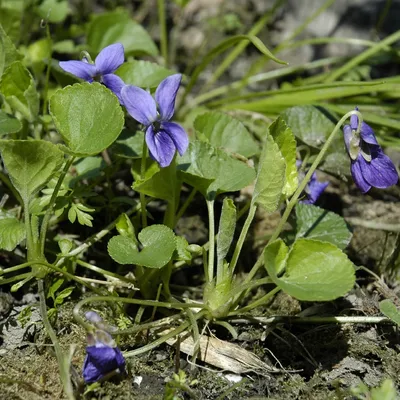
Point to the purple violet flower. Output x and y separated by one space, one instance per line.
369 165
105 64
314 188
102 354
163 137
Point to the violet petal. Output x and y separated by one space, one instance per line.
109 59
161 147
357 174
139 104
80 69
115 84
380 172
178 136
347 134
315 189
166 94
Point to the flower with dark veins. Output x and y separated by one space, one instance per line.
163 137
102 354
370 167
106 63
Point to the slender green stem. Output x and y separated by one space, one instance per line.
353 62
185 205
47 216
211 239
48 68
142 177
16 267
62 361
301 187
242 237
162 20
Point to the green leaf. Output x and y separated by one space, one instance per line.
284 138
158 243
181 252
315 271
312 125
18 89
129 144
125 228
390 310
225 131
54 11
8 52
319 224
65 246
80 211
12 232
9 124
88 117
143 73
30 164
118 27
212 171
226 230
160 183
275 256
270 179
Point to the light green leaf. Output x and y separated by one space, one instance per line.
30 164
390 310
18 89
12 232
212 171
9 124
315 271
284 138
10 21
8 52
88 117
270 179
226 230
319 224
158 243
181 252
125 227
225 131
54 11
143 73
65 246
118 27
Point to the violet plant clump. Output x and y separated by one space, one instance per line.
163 137
105 64
370 167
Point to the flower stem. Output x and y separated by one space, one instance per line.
211 239
142 176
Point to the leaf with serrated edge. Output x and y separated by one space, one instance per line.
319 224
270 179
88 117
284 138
12 233
158 243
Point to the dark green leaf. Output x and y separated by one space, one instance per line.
226 230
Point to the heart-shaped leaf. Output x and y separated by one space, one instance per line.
158 243
319 224
88 117
30 164
314 270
